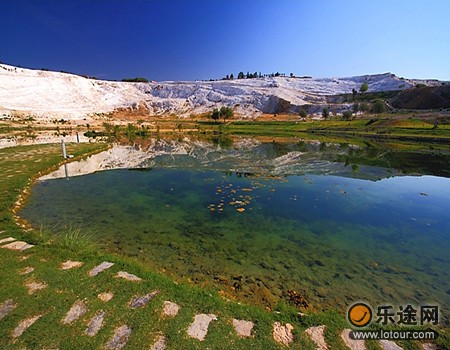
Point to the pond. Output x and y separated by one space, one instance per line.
317 225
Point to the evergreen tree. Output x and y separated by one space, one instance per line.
364 87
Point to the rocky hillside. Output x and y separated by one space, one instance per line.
47 94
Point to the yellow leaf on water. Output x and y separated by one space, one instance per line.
240 210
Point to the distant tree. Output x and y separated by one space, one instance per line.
226 113
325 113
303 113
231 76
215 115
277 74
227 77
363 107
354 92
260 75
347 115
255 75
291 75
355 107
364 87
241 75
378 106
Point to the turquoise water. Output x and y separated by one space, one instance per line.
334 240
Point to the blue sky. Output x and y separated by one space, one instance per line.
203 39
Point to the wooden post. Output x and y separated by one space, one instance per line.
63 146
78 138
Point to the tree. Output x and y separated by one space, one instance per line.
355 107
354 92
215 115
226 113
378 106
364 87
241 75
291 75
347 115
303 113
363 107
231 76
325 112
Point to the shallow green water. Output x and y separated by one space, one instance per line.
334 240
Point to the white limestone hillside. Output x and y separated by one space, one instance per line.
47 94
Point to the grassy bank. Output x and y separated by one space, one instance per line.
18 167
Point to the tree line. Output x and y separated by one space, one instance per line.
248 75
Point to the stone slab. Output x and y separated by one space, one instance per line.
102 267
120 338
317 336
243 328
199 328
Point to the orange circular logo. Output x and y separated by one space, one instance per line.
359 314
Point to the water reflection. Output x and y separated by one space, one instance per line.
269 157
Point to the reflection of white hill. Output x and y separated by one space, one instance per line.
246 156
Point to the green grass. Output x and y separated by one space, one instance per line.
18 167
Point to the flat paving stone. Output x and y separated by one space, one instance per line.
24 325
283 334
96 323
140 301
128 276
160 343
78 309
34 286
106 296
351 343
170 309
6 307
243 328
69 264
26 270
389 345
317 336
103 266
7 240
199 328
120 338
429 346
18 245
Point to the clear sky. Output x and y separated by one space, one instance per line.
203 39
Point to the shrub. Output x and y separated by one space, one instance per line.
303 113
347 115
364 87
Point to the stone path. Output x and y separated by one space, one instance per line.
198 329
